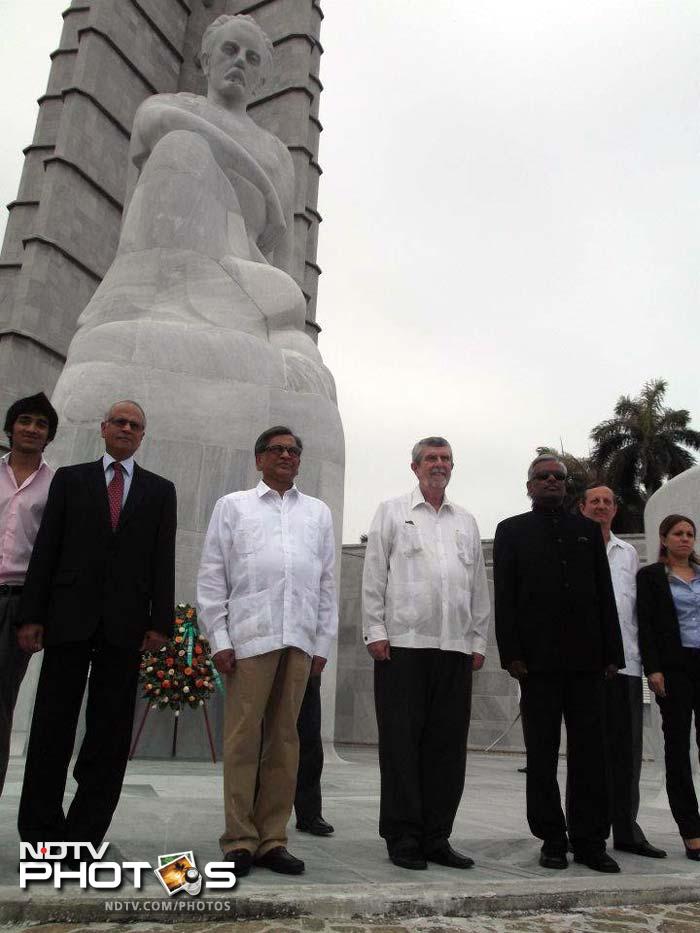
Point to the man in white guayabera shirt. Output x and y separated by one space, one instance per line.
425 617
623 692
267 603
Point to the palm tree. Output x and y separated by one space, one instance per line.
644 444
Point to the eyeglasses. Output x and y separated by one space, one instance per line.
124 422
279 449
557 474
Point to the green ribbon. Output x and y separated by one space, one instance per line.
190 638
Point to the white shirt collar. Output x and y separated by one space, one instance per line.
613 541
262 489
417 498
127 465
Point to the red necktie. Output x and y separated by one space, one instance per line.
115 492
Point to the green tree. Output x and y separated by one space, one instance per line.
643 445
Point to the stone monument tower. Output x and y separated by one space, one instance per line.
201 304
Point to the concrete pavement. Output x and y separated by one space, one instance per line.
170 806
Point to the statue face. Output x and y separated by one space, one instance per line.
234 64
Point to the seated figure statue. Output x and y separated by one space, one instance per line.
198 317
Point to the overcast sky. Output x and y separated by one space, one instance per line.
511 221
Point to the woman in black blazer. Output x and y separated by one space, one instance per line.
668 607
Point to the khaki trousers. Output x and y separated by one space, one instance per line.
265 690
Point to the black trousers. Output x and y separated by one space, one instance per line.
13 666
307 801
681 702
578 698
623 747
111 675
423 703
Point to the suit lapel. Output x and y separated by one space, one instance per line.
133 500
98 493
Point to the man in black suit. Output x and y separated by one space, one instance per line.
558 634
99 590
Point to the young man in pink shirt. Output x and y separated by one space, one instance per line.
25 478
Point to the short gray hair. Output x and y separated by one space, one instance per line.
267 46
545 458
125 401
419 447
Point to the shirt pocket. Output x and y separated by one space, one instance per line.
250 536
410 541
410 608
249 617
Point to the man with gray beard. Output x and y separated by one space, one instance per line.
425 618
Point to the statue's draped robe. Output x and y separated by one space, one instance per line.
195 323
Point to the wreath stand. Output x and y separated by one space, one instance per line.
173 751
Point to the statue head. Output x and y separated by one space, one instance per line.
236 55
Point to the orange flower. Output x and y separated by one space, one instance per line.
166 684
169 662
188 671
197 649
178 639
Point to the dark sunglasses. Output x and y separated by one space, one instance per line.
557 474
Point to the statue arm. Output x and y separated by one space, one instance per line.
159 115
163 114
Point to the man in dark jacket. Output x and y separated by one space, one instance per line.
558 634
99 590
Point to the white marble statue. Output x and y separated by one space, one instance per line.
198 318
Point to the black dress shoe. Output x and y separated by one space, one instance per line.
316 826
692 854
446 855
281 861
242 860
554 860
409 858
598 861
640 848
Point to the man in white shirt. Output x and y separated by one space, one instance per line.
267 603
25 478
425 615
623 692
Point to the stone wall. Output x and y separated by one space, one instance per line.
494 696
